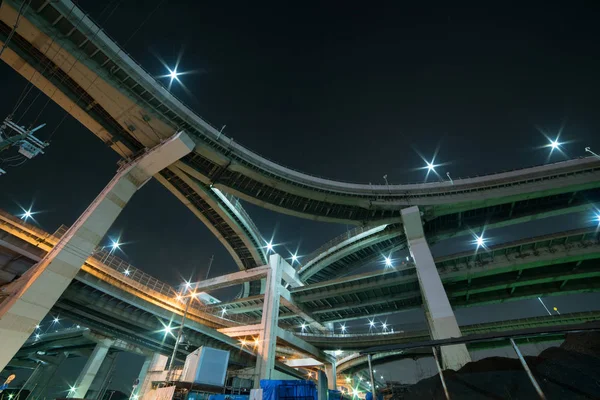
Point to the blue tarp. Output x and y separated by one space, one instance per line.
288 390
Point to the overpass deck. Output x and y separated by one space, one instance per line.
141 111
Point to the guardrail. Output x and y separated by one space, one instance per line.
144 282
335 241
213 134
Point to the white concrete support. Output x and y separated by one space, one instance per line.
155 372
265 351
231 279
103 377
91 368
303 363
30 297
137 391
330 371
440 316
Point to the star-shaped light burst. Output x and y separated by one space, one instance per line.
28 213
430 165
388 262
479 240
343 328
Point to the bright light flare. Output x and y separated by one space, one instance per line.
388 261
303 326
371 323
55 320
348 379
343 328
115 245
294 258
384 326
168 330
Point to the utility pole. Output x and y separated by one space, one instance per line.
190 297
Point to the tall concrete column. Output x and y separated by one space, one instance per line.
267 340
330 371
103 377
142 375
155 372
440 316
91 368
30 297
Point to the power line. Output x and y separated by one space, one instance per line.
24 4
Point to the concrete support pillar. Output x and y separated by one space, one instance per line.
103 377
91 368
155 372
440 316
265 351
322 387
30 297
330 371
142 375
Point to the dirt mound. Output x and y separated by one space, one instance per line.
571 371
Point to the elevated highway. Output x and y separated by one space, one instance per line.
73 61
547 265
115 299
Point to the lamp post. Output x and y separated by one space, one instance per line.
179 333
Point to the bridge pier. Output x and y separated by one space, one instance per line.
103 377
155 371
267 339
331 373
30 297
91 368
440 316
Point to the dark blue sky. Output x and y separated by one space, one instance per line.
344 92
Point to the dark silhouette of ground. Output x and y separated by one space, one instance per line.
571 371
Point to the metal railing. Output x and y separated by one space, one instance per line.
178 107
142 281
235 202
335 241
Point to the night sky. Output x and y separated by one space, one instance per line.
349 93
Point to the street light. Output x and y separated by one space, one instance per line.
26 215
480 241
